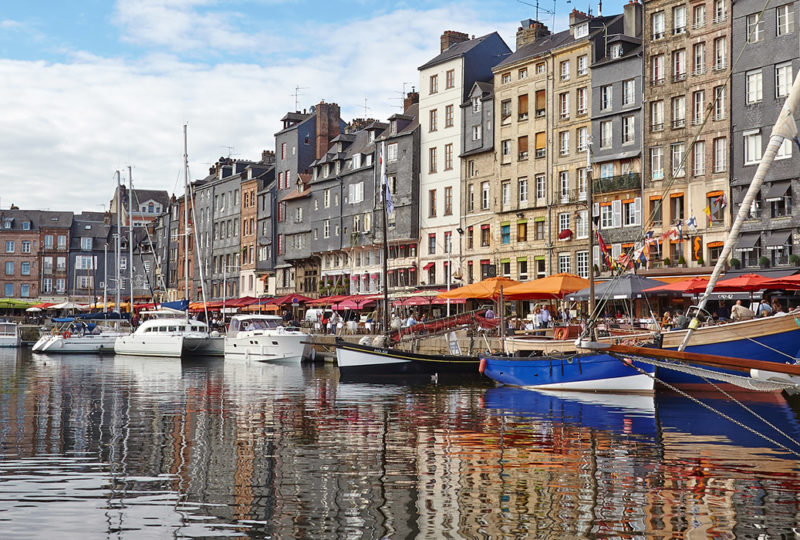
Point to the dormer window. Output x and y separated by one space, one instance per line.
26 225
371 136
357 161
7 223
581 31
616 50
476 105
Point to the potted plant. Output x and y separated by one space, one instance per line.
794 259
700 261
735 263
667 261
682 261
596 269
763 262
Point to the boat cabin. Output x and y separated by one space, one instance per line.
248 323
8 329
169 325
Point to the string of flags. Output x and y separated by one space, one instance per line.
714 208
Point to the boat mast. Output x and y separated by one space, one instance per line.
384 186
105 277
186 219
130 237
784 128
590 255
118 245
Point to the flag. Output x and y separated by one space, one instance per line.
692 223
707 211
679 226
387 194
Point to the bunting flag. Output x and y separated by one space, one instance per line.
692 223
714 208
707 211
679 227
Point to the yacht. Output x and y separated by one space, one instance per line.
9 334
262 337
169 333
82 335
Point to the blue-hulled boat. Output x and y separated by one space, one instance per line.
593 372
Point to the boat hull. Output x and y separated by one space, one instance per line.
203 345
87 344
582 372
365 362
10 341
267 346
170 345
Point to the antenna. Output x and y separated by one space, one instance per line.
230 150
402 97
297 95
366 114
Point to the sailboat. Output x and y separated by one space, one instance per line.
170 332
376 359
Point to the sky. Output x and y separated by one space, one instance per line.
93 86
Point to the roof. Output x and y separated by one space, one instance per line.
456 51
158 195
55 220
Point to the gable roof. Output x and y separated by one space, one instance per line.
457 50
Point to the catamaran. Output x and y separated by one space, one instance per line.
264 338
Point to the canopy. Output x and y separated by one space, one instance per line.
11 303
70 305
689 286
44 305
625 287
555 286
488 288
255 308
327 300
427 301
789 283
291 299
743 283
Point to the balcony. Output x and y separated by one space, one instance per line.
678 123
569 196
678 77
622 182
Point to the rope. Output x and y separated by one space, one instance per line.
725 416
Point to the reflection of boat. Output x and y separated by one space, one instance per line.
371 363
263 337
582 371
9 334
624 413
245 379
167 333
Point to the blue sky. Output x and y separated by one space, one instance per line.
91 86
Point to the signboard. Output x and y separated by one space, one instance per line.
697 248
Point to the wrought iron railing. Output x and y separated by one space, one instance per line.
620 182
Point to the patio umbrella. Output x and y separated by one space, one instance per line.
743 283
788 283
291 299
555 286
625 287
693 285
33 309
487 289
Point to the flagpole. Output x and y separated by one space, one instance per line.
590 255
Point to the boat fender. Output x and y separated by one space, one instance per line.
694 323
482 366
66 335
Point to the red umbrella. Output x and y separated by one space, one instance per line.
789 283
291 299
692 286
745 283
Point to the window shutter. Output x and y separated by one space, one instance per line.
616 251
616 213
596 210
596 256
637 211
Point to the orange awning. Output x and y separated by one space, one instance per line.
488 288
555 286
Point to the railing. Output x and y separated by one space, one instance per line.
678 123
678 77
540 113
620 182
568 196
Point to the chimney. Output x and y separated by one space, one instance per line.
529 31
451 37
328 120
268 157
632 19
577 17
411 99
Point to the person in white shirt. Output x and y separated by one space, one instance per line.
545 315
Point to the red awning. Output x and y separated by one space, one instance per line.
291 299
428 266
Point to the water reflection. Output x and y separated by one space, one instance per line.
132 446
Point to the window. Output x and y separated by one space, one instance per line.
563 105
755 28
698 106
448 116
505 78
581 31
564 260
26 246
678 112
484 195
583 65
657 24
522 269
476 133
432 160
581 135
564 70
448 201
699 159
678 152
606 216
9 246
720 154
628 128
606 170
476 105
540 187
783 79
48 241
699 53
8 289
485 235
326 228
582 224
752 147
679 20
432 203
522 107
61 264
47 285
605 134
753 86
720 53
9 268
540 68
784 152
434 84
719 103
471 198
605 97
580 179
25 268
657 69
679 65
539 230
86 244
47 265
657 163
631 212
448 156
541 144
779 206
522 189
522 74
785 19
61 285
522 146
505 109
616 50
505 194
657 116
470 237
563 185
505 233
720 14
677 206
563 143
540 103
432 114
628 92
505 148
449 79
699 16
563 221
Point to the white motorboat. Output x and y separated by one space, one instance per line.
9 334
262 337
84 336
168 333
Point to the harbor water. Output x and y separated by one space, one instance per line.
126 447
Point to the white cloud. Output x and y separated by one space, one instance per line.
8 24
67 126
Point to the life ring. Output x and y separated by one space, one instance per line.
560 333
66 335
